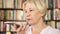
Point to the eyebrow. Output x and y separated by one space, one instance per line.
29 8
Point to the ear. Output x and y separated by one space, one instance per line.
42 13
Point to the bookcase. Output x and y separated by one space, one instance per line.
53 13
11 12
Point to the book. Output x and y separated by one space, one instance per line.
4 27
46 3
25 0
5 15
1 14
49 23
9 14
50 3
18 3
53 24
22 3
58 25
8 32
8 3
56 3
56 14
20 15
0 26
54 17
1 23
48 15
7 27
15 3
14 15
53 3
0 3
4 3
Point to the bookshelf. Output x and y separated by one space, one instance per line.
14 20
11 12
54 13
10 9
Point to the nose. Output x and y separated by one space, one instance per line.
28 14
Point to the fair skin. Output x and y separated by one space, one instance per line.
34 18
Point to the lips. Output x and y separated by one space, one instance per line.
28 19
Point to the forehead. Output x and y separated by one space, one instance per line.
30 6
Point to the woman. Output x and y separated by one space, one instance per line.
35 13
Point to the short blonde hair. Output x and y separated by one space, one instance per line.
39 4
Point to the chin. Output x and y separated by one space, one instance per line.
30 23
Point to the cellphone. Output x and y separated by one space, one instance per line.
17 26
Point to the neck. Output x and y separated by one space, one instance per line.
39 26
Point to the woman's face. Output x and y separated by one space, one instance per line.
32 14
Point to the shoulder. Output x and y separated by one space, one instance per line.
54 31
50 30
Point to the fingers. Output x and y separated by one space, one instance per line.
14 25
20 28
23 27
26 27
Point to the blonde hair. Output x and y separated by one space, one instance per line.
39 4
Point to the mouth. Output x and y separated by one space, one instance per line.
28 19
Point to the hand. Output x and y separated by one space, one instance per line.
22 29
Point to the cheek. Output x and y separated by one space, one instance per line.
36 16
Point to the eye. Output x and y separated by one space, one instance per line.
25 11
31 10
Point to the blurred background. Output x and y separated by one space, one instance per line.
11 11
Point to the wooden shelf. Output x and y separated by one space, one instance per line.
49 8
25 20
15 20
52 20
57 20
22 9
56 8
2 32
7 31
52 8
10 9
